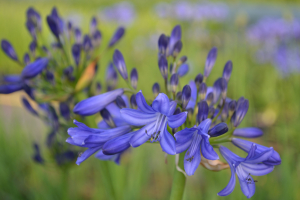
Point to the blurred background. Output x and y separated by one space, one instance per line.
261 38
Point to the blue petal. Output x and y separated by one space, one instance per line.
115 158
10 88
229 156
117 145
247 187
137 118
94 104
161 104
172 109
85 155
263 156
33 69
12 78
191 166
204 126
257 169
113 109
192 101
118 122
175 121
183 70
250 132
140 136
77 143
207 150
125 98
230 186
103 125
167 142
142 104
184 139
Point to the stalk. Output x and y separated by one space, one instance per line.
179 180
106 180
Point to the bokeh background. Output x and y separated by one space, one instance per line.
261 38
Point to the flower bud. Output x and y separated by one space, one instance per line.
179 97
37 154
32 47
107 117
231 107
77 33
97 37
174 82
240 111
68 71
227 70
224 114
211 112
93 25
163 42
202 91
87 43
9 50
177 48
119 62
120 102
163 66
49 76
218 130
202 111
111 76
28 107
64 110
174 38
98 88
76 51
183 70
210 98
70 26
186 96
117 36
198 80
249 132
133 103
210 61
35 68
134 78
182 60
156 89
34 18
10 88
26 59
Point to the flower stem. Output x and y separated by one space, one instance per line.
107 181
179 180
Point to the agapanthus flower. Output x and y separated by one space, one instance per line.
192 140
244 168
154 120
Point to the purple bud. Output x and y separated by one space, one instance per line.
156 89
198 80
76 51
87 43
202 90
202 111
179 96
78 35
29 91
68 71
232 106
218 130
163 66
183 70
227 70
174 38
119 62
223 87
111 75
183 59
174 82
120 102
217 90
26 59
210 98
163 42
32 47
53 25
186 95
31 29
212 112
117 36
133 103
177 48
37 155
98 88
224 114
210 61
70 26
28 107
34 18
97 36
93 25
10 88
134 78
94 104
64 110
12 78
9 50
107 117
249 132
35 68
49 76
240 111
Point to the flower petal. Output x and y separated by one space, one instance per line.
172 109
117 145
230 186
207 150
142 104
137 118
192 101
175 121
140 136
257 169
85 155
101 156
247 186
161 104
184 139
167 142
249 132
190 166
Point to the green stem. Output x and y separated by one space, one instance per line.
179 180
107 181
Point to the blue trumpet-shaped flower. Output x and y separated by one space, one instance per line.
154 121
192 140
244 168
92 138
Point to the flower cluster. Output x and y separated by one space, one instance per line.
53 75
278 41
192 121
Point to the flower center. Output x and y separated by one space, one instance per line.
158 128
195 146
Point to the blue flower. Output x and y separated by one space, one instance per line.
35 68
244 168
154 121
192 101
249 132
9 50
94 104
117 36
92 138
194 139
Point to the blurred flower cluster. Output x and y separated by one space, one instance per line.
190 122
55 76
277 41
188 11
